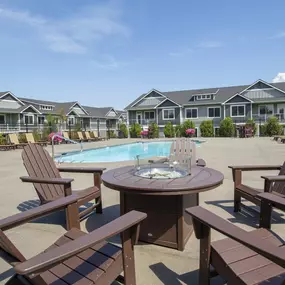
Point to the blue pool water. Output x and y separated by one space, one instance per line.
119 153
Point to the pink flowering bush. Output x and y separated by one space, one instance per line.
56 139
190 132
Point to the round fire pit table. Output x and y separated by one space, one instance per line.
164 201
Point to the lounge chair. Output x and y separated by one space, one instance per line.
76 257
97 137
30 139
15 141
50 186
87 135
66 136
81 137
274 184
256 257
181 147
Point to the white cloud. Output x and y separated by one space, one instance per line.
75 33
280 77
210 44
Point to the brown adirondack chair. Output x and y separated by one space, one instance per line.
256 257
274 184
77 257
49 185
181 147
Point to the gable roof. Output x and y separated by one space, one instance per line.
221 94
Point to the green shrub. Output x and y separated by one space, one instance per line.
169 131
37 135
123 128
227 128
77 127
135 130
262 131
185 126
272 127
3 139
207 128
177 130
113 134
22 138
251 123
153 131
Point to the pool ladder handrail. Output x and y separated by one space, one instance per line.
63 138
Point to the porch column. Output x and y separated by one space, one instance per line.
181 116
250 110
156 112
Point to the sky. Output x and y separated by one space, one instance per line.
107 53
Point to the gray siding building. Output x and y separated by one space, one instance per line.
259 101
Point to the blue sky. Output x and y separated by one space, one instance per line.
106 53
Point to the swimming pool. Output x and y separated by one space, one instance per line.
119 153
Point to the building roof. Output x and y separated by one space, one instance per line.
221 94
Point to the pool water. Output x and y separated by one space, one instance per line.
119 153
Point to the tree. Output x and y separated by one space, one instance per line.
123 128
185 126
153 131
135 130
169 131
227 128
272 127
207 129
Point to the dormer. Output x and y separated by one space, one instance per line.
203 97
46 107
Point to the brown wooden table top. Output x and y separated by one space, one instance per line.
124 179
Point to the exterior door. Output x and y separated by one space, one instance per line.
139 118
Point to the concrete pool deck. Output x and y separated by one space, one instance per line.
154 264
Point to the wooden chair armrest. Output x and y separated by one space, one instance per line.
201 162
275 200
161 160
210 220
255 167
47 180
54 256
81 169
32 214
275 178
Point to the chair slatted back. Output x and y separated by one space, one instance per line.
95 134
184 147
87 135
279 187
30 138
80 135
65 135
13 138
11 253
39 164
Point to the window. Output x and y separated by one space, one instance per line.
149 115
71 120
191 113
168 114
203 97
41 120
238 111
29 119
2 119
44 107
214 112
265 109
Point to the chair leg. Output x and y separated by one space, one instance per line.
99 208
237 202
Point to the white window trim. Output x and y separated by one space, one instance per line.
238 115
267 105
280 106
71 117
214 112
168 109
208 97
4 118
139 113
185 112
149 112
29 115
